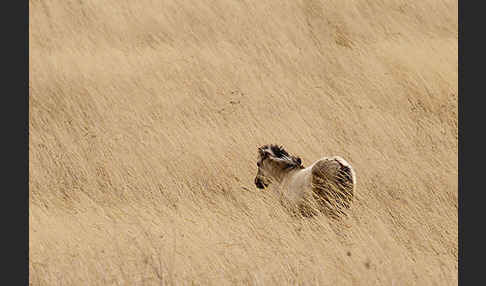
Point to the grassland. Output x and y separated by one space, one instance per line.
145 118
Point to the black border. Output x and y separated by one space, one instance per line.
15 139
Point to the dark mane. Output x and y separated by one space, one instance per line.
280 152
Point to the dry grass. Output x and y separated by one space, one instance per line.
145 117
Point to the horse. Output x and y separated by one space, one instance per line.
327 185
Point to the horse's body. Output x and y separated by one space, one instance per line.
330 180
298 183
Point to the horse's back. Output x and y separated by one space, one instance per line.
334 177
334 168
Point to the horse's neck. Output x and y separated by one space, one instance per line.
296 184
285 175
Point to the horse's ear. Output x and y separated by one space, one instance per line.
262 152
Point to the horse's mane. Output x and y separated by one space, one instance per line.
280 153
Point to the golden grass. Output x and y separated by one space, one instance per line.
145 117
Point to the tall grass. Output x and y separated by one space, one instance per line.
145 118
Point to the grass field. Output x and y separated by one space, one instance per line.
145 118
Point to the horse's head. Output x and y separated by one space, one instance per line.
273 163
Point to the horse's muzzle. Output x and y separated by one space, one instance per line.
259 183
